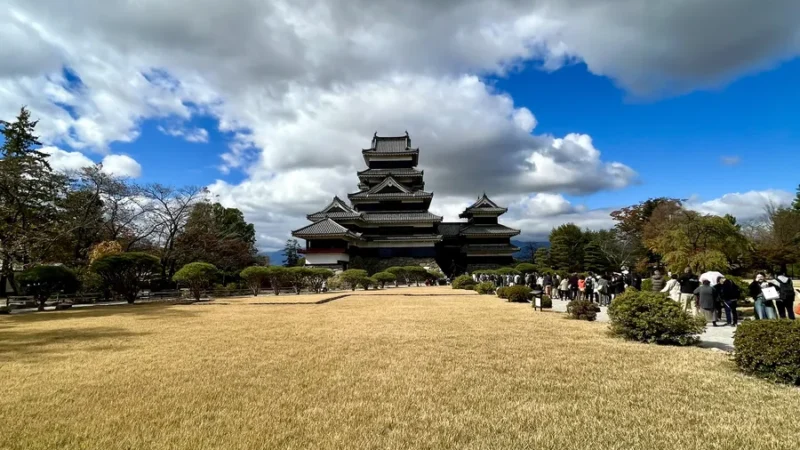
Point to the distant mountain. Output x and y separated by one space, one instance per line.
524 247
276 258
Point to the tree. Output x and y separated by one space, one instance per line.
197 276
593 258
168 211
218 235
796 201
291 253
255 276
125 273
104 248
352 277
776 239
566 247
525 268
629 237
29 190
317 278
542 258
400 274
297 277
383 278
43 281
618 249
689 239
416 273
277 276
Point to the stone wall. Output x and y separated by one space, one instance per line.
374 265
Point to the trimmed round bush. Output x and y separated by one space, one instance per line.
769 349
582 310
652 317
487 287
547 302
518 293
501 292
463 282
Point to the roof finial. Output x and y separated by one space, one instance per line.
406 133
375 135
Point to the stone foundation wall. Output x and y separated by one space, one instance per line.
374 265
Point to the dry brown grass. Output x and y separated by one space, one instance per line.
369 371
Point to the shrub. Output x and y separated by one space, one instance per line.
582 310
463 282
769 349
124 273
518 293
352 277
317 278
255 276
547 302
647 285
277 277
416 273
384 277
487 287
653 318
400 275
501 292
43 281
197 276
297 277
335 283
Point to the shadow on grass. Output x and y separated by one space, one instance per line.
31 345
143 311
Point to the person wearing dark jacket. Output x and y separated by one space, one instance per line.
706 300
728 293
786 291
688 283
658 281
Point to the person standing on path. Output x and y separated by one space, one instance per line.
688 283
602 290
706 299
786 290
658 281
573 286
729 294
673 288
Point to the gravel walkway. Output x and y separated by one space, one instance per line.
719 338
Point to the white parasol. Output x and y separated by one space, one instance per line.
711 277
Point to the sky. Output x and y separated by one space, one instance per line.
562 110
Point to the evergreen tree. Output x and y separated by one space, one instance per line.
542 258
566 247
593 258
796 202
29 190
291 253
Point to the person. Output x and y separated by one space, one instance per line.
573 286
581 287
729 294
688 283
588 288
563 289
636 282
706 299
602 288
658 281
548 284
763 307
618 286
786 291
673 288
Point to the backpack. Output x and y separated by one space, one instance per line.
786 290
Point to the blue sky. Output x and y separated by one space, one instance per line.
269 107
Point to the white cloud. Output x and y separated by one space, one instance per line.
194 134
121 166
730 160
65 161
744 206
302 85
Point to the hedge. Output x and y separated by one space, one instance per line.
769 349
463 282
583 310
652 317
518 293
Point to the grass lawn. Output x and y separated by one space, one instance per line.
369 371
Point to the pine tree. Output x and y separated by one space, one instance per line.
593 258
542 258
291 253
796 202
29 192
566 247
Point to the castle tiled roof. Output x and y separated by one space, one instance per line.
391 144
336 209
450 229
489 248
381 173
488 230
399 216
324 227
484 205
